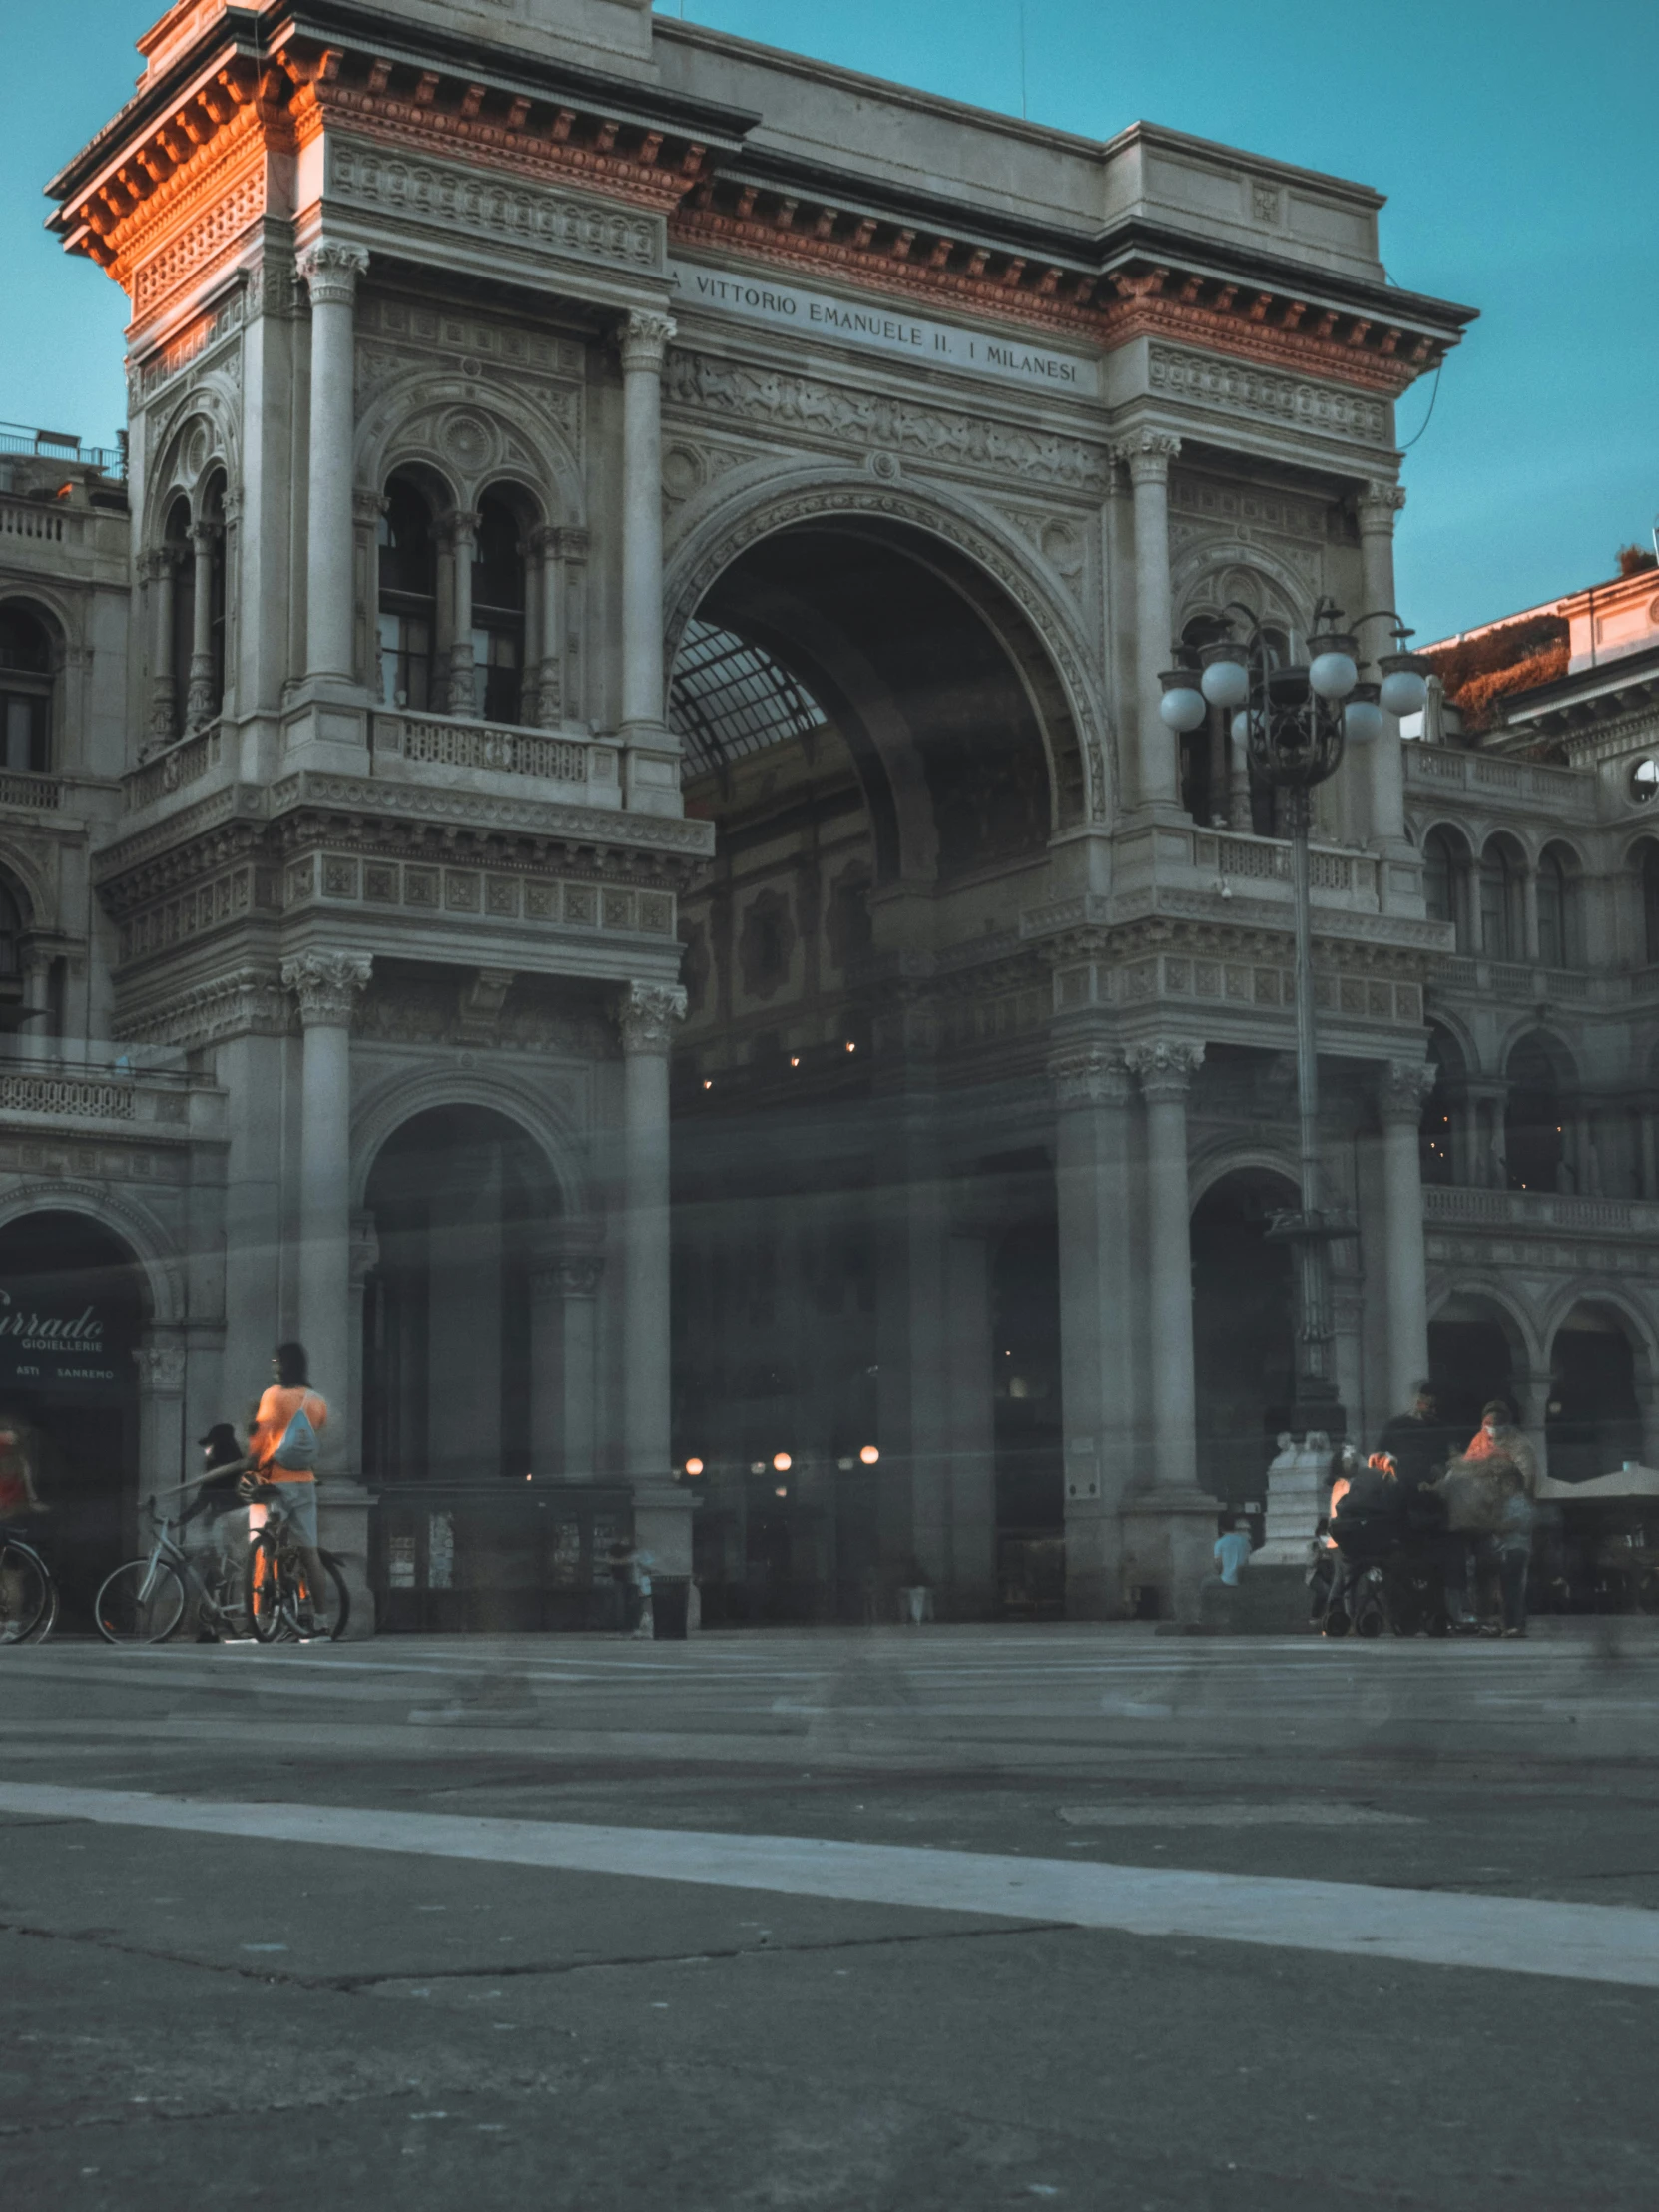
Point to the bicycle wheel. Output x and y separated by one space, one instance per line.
272 1606
141 1604
26 1594
337 1614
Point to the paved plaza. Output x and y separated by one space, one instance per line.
957 1917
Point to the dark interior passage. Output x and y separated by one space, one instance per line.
71 1323
1243 1352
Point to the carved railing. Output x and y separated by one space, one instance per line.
1473 1209
33 518
1521 982
22 787
62 1094
184 762
1442 768
1268 861
502 748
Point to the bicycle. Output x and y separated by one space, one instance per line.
27 1592
274 1581
146 1600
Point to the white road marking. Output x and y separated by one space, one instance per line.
1576 1942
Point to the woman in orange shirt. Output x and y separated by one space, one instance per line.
290 1393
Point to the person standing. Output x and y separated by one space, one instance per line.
1505 1455
1420 1445
275 1453
1232 1552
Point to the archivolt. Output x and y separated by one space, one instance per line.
160 1263
759 509
401 1095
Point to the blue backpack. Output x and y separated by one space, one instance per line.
298 1450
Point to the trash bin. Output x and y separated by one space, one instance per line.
670 1595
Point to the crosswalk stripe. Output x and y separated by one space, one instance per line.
1579 1943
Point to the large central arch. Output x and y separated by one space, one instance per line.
947 548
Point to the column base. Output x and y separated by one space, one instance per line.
1299 1493
1169 1539
325 726
651 769
1095 1582
662 1526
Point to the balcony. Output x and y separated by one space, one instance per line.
1452 1207
580 768
1520 983
1445 772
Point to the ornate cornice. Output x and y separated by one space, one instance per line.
648 1015
1143 299
246 1001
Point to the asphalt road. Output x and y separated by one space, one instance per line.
961 1918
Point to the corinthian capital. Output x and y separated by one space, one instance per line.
1089 1075
1404 1088
1166 1067
331 268
1378 503
646 1013
1147 455
644 341
328 985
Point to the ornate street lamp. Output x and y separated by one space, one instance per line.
1294 722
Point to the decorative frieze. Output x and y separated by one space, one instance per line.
1264 395
806 408
460 893
477 206
246 1001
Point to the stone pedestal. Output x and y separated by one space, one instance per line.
1169 1541
1273 1590
342 1511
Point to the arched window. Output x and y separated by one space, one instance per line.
1650 903
25 687
498 610
1439 876
1500 935
183 633
1534 1119
213 514
11 936
1555 917
409 596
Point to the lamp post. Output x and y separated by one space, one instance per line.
1295 720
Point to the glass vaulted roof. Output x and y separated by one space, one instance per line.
727 697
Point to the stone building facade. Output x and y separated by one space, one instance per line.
647 568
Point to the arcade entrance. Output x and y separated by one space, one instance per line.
71 1319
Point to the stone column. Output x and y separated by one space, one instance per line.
646 1014
547 687
1147 455
564 1375
1530 916
1166 1071
364 1259
331 270
971 1430
573 564
1379 502
328 985
200 705
159 567
1404 1087
460 532
161 1364
1169 1531
645 342
1092 1090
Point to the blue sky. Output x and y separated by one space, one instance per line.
1516 140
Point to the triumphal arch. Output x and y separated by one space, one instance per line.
645 795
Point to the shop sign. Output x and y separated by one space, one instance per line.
55 1345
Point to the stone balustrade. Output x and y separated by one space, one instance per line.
21 787
186 762
588 770
1451 1206
1568 793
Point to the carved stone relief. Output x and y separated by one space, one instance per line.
1236 388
